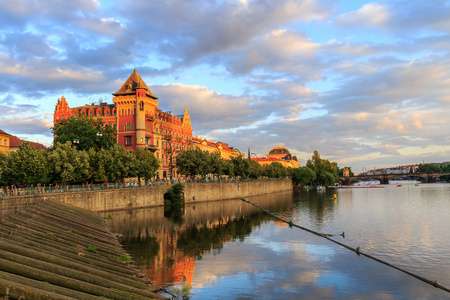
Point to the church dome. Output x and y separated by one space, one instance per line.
279 152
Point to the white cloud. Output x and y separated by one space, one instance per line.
369 15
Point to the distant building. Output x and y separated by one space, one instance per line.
15 143
4 141
226 152
280 155
346 172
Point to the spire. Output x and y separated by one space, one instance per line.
131 84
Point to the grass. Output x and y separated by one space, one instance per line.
291 223
92 249
184 291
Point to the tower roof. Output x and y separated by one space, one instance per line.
133 83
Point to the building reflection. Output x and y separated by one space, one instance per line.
166 251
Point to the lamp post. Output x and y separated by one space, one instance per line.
76 142
99 134
171 153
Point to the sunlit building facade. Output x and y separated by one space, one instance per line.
139 122
4 142
280 155
226 152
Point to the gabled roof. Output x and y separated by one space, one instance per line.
15 142
2 132
131 84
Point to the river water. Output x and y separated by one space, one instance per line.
232 250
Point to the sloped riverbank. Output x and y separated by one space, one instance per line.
53 251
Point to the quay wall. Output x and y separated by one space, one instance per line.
148 196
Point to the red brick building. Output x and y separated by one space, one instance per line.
139 122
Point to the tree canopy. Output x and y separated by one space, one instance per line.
303 176
85 133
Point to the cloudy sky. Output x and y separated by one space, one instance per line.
364 83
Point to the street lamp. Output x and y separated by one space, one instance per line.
99 134
76 142
171 153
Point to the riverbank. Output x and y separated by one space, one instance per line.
54 251
149 196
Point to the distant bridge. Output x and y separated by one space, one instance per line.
384 178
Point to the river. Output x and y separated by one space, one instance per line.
232 250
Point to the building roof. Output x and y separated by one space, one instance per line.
278 151
131 84
2 132
15 142
272 159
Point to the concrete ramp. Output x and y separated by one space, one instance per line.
52 251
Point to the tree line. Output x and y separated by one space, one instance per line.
85 149
197 162
318 171
64 163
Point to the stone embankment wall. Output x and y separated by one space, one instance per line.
128 198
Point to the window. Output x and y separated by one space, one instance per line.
146 140
107 114
129 126
128 140
5 143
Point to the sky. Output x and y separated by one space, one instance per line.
365 83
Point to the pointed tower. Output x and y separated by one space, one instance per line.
134 102
62 110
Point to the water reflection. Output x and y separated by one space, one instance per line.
230 249
166 248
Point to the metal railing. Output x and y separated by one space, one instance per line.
29 191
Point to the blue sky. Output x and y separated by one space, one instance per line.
364 83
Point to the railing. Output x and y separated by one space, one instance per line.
14 192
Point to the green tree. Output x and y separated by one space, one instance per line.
216 163
241 167
85 133
4 168
66 164
327 172
303 176
429 168
100 164
28 165
146 164
122 165
256 170
275 170
194 162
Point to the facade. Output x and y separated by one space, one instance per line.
4 142
139 122
280 155
226 152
